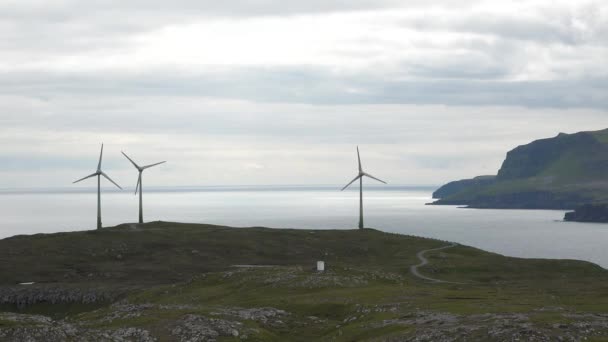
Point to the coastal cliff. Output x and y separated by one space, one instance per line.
589 213
563 172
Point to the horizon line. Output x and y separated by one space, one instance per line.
158 188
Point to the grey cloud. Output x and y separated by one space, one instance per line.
318 86
15 163
71 25
200 136
69 9
424 119
544 25
71 19
459 67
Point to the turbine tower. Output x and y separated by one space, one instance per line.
139 185
99 173
360 178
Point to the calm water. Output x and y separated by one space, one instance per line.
521 233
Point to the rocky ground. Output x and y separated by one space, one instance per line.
225 322
235 323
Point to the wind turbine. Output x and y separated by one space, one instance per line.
139 185
360 178
99 173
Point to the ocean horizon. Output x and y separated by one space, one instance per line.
395 208
206 188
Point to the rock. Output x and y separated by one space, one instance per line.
264 315
589 213
41 328
194 328
53 294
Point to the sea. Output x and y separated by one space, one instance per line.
396 209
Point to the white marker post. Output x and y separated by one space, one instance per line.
320 266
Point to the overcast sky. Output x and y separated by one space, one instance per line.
281 92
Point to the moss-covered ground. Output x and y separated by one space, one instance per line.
166 271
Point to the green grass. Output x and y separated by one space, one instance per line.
521 289
9 324
601 136
367 277
162 252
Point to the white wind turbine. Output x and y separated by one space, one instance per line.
99 173
139 184
360 178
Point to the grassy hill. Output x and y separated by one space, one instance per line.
171 281
162 253
563 172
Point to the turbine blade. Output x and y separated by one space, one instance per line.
100 156
372 177
147 166
351 182
131 160
108 178
89 176
359 159
138 182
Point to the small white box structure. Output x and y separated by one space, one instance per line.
320 266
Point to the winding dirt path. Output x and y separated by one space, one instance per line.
424 261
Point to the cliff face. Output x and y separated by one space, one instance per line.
589 213
581 155
563 172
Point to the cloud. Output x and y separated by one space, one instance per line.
432 91
521 54
210 141
312 85
542 22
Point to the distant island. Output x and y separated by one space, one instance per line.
564 172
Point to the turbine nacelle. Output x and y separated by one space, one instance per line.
99 172
140 169
361 173
132 162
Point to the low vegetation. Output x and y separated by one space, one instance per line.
168 281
